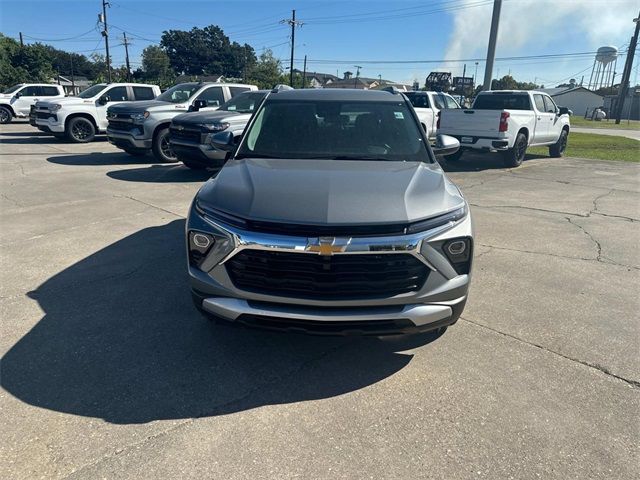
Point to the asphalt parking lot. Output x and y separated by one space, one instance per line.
109 372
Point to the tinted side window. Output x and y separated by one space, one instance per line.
502 101
143 93
237 90
419 101
117 94
439 102
549 105
49 91
213 96
537 98
30 91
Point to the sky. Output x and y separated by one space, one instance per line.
399 40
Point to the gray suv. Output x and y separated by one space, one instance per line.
332 216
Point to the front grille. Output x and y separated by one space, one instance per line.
185 134
336 277
125 126
46 115
301 230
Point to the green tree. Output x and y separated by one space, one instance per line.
156 66
267 72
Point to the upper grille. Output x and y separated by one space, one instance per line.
336 277
189 135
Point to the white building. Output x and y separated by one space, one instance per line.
577 99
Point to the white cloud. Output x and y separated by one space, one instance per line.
534 25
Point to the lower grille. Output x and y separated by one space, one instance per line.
125 126
46 115
336 277
189 135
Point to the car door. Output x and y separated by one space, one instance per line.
543 119
108 98
24 98
143 93
48 91
555 126
213 96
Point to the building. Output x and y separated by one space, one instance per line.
316 79
630 109
360 83
578 99
72 85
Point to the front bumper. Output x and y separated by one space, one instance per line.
50 125
437 303
198 152
128 140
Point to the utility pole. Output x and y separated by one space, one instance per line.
355 82
21 41
491 51
626 73
293 23
105 34
304 73
126 53
73 80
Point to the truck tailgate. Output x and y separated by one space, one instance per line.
474 123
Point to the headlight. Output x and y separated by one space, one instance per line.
55 107
215 127
439 221
140 117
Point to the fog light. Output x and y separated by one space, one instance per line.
202 241
457 247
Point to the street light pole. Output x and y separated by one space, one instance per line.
493 38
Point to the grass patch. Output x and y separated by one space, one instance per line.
583 122
597 147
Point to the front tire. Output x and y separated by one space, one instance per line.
515 155
80 130
557 149
162 148
5 115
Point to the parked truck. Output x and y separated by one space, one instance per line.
16 101
508 121
428 105
81 118
141 127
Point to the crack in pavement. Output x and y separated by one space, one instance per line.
212 412
150 205
595 366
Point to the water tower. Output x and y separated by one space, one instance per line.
604 67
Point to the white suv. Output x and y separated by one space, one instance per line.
15 102
81 118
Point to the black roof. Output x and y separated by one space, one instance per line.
336 94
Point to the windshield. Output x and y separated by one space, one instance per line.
243 103
501 101
179 93
92 91
335 130
13 89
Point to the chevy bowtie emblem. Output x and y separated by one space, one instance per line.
327 246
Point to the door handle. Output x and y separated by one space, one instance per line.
539 118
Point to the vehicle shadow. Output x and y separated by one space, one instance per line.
34 133
471 162
43 138
121 341
173 173
100 159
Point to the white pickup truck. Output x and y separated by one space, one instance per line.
508 121
16 102
428 105
81 118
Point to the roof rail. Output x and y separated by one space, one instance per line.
281 86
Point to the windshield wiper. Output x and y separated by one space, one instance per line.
254 155
354 157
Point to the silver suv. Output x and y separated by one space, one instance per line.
332 216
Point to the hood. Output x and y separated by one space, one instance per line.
330 192
142 105
203 117
68 101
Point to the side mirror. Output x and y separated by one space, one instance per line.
197 105
564 111
223 141
445 145
104 100
18 95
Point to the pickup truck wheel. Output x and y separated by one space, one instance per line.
194 165
162 148
136 152
80 130
558 148
5 115
514 156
